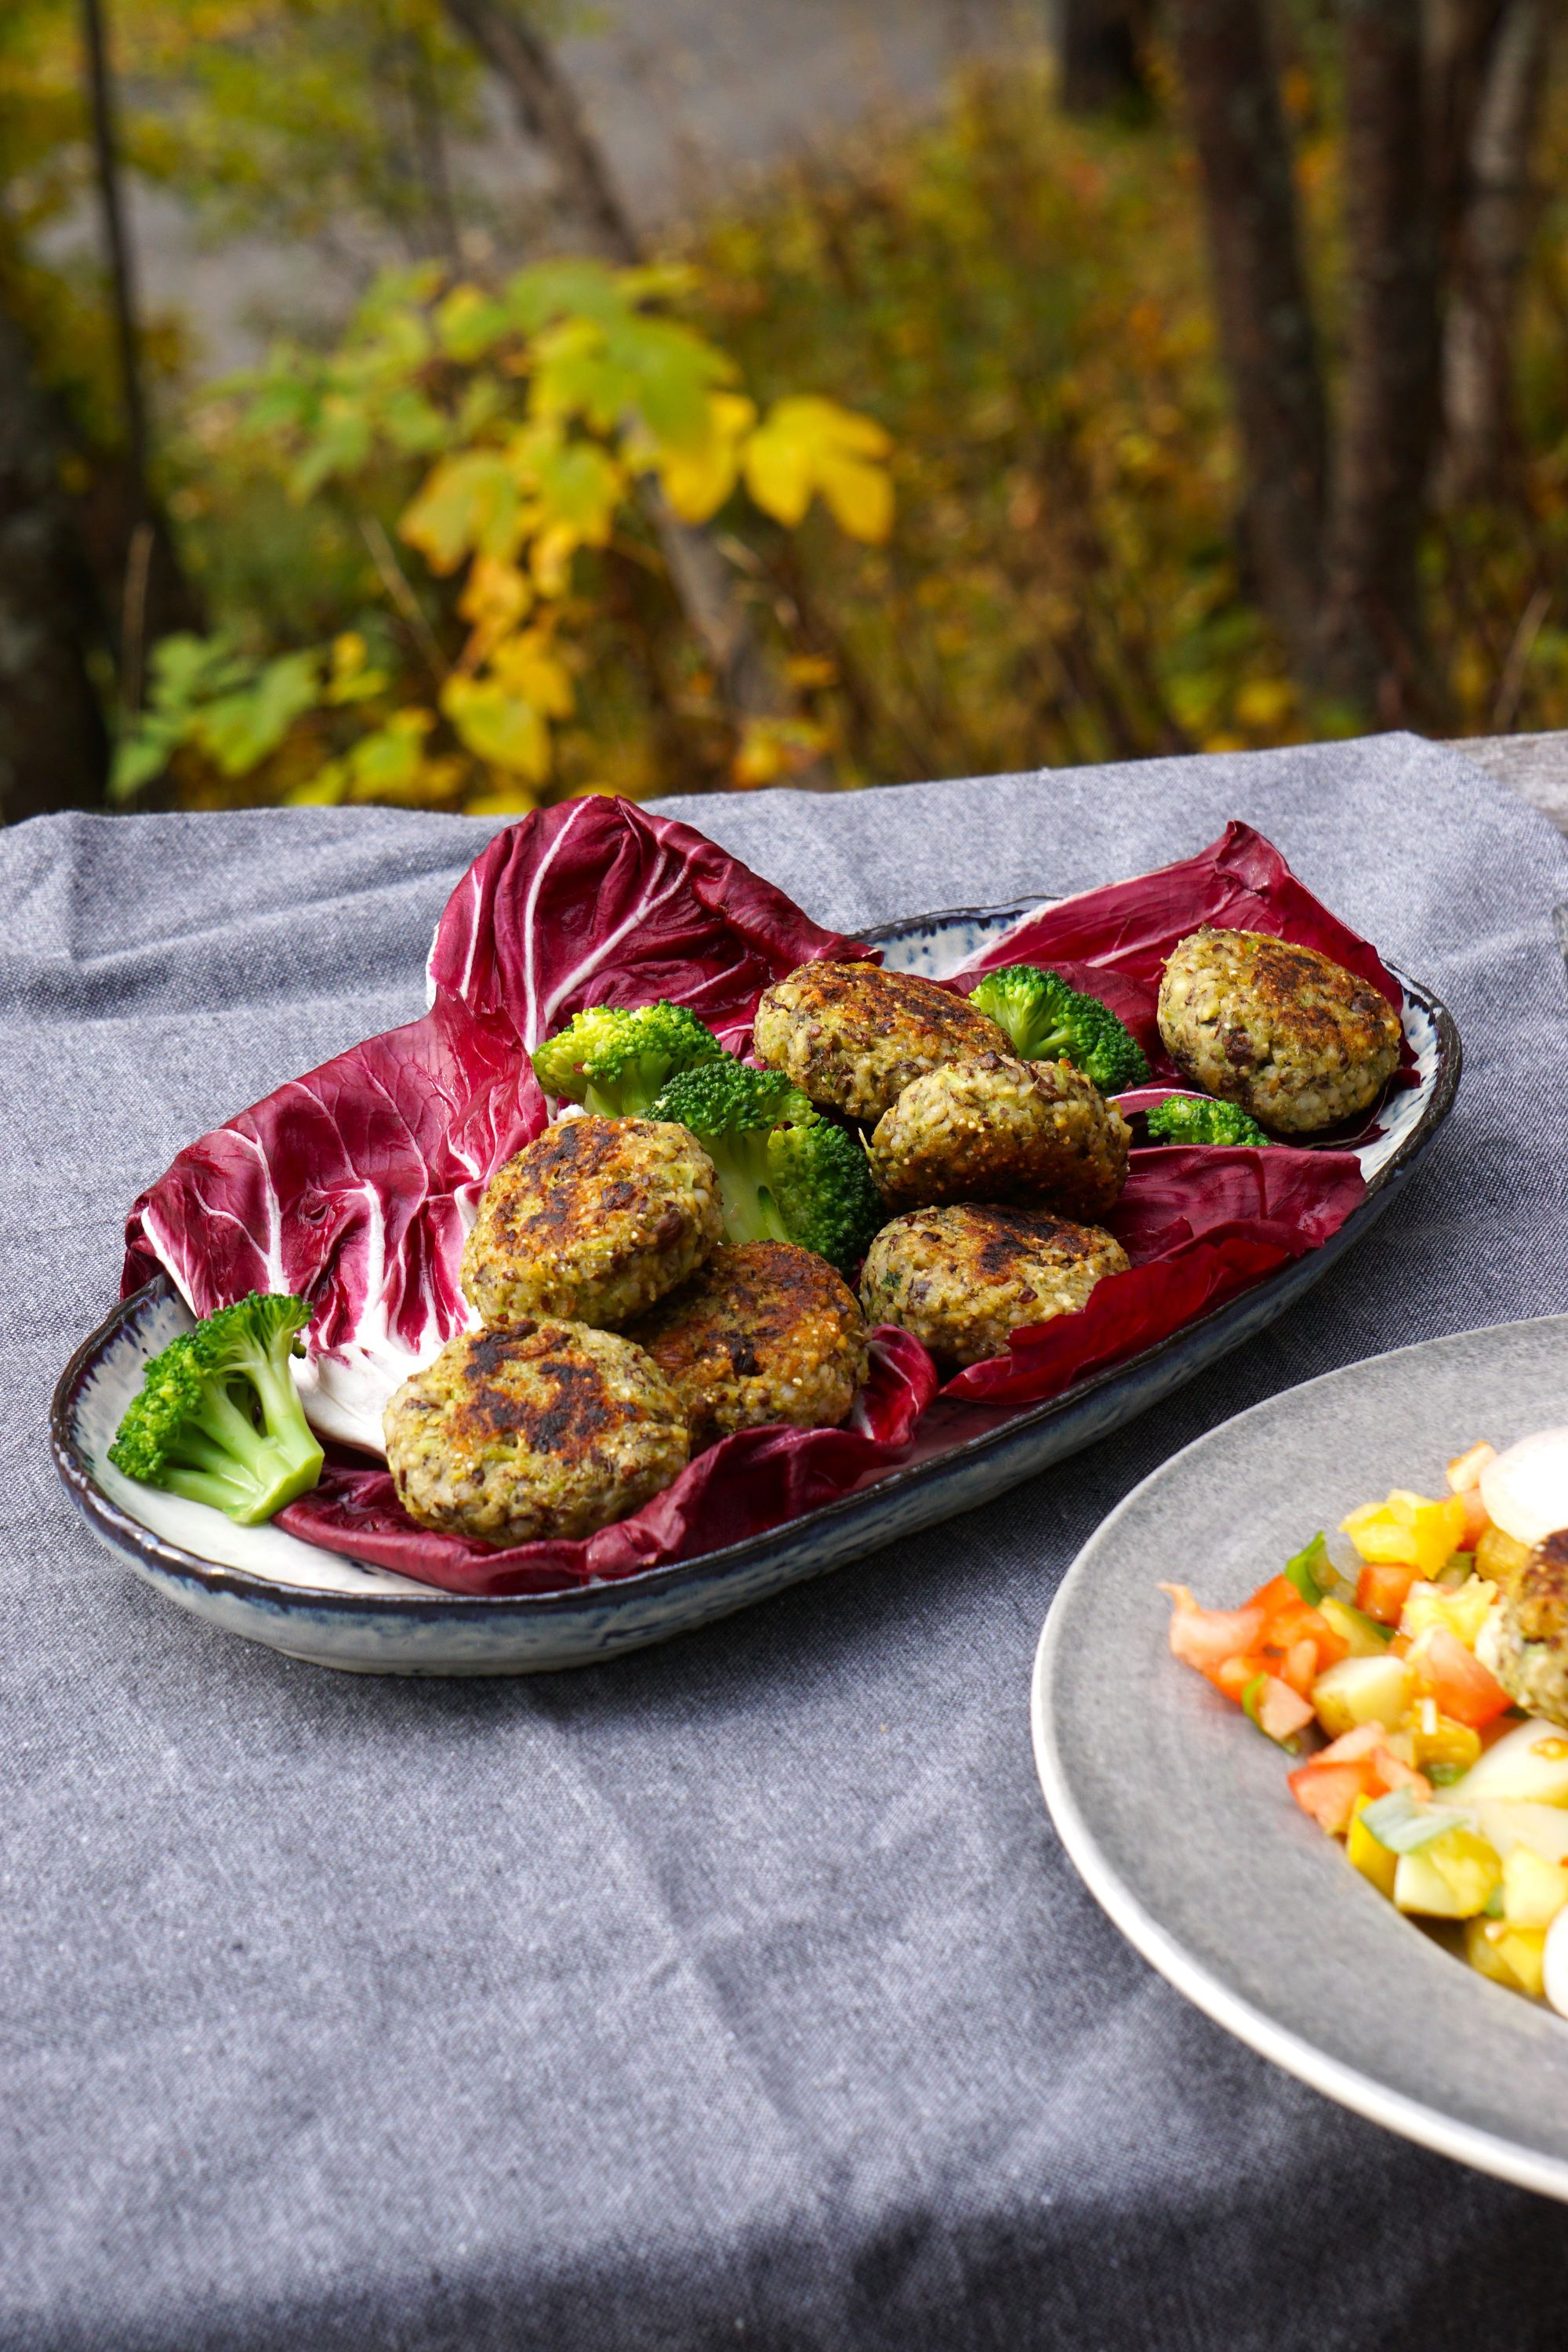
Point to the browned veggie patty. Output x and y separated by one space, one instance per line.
1525 1639
762 1333
545 1429
1287 1032
595 1220
963 1278
852 1036
992 1128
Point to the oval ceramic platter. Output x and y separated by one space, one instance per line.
1178 1816
313 1604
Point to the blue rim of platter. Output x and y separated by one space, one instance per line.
656 1603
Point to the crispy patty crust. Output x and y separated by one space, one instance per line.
1287 1032
1525 1639
762 1333
852 1036
593 1220
548 1429
963 1278
993 1127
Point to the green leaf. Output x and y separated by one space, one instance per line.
240 730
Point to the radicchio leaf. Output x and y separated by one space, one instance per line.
357 1182
356 1185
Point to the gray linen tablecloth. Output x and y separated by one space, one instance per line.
738 1993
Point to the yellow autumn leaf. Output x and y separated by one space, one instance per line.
528 664
698 480
806 445
468 505
500 728
496 597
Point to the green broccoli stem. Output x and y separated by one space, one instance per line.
246 1472
750 1211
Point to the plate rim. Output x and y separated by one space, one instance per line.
1335 2078
122 1532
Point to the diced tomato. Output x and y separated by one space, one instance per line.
1288 1619
1279 1710
1205 1638
1457 1679
1381 1590
1233 1674
1328 1791
1392 1772
1476 1521
1299 1667
1363 1740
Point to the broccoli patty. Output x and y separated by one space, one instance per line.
761 1333
963 1278
547 1429
992 1128
1283 1031
852 1035
1525 1639
595 1220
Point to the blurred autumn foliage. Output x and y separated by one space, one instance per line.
943 414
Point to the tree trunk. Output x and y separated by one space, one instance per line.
152 595
704 581
1267 335
1492 233
1103 54
1373 653
53 749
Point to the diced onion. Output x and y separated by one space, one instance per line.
1525 1490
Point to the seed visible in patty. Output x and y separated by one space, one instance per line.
1525 1639
1294 1038
852 1036
762 1333
593 1220
545 1429
963 1278
993 1127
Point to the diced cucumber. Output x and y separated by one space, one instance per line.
1361 1690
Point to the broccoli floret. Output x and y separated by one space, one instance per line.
613 1060
1049 1022
732 1109
1199 1118
822 1183
217 1418
785 1174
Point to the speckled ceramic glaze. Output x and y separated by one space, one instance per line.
317 1605
1179 1818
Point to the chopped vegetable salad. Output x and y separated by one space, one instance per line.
1359 1660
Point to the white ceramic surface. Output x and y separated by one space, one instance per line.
1177 1814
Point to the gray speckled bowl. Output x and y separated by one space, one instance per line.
314 1604
1177 1814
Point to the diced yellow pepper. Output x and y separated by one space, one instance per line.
1482 1951
1371 1859
1524 1951
1361 1690
1497 1555
1355 1630
1462 1609
1436 1739
1451 1879
1408 1529
1533 1891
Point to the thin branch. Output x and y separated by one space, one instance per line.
394 579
